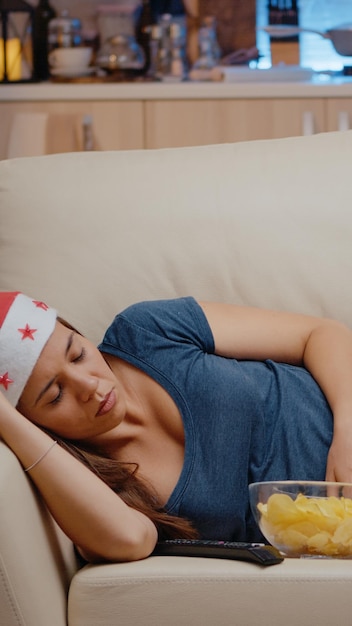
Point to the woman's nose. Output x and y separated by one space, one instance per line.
86 386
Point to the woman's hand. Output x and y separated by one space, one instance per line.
339 461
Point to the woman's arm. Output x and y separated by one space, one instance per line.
322 346
87 510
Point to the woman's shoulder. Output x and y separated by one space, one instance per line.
163 313
154 308
175 319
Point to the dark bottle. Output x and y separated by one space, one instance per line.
43 13
143 29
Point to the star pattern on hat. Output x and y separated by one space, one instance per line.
5 380
27 332
25 326
40 305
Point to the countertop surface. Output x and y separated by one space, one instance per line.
319 86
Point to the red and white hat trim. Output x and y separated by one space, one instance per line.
26 327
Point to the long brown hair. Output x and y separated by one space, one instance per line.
122 479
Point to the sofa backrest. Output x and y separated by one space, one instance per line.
265 223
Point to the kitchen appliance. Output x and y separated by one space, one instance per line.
340 36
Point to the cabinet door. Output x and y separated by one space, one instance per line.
115 125
200 122
339 114
293 117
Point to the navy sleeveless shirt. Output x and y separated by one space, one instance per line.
244 421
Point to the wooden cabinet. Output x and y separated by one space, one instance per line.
117 125
198 122
339 114
294 117
137 123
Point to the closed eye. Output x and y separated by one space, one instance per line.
60 393
80 357
58 396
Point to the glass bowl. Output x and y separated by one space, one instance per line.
305 518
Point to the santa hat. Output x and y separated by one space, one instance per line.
25 327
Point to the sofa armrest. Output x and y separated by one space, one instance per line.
179 591
36 560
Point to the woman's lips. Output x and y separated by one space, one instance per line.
107 403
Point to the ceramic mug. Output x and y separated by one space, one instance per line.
70 58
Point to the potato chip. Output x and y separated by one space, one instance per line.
281 509
343 533
331 507
347 503
319 541
292 538
305 528
308 525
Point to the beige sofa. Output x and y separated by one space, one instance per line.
263 223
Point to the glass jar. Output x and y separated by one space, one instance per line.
64 32
121 54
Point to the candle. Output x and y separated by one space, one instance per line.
13 59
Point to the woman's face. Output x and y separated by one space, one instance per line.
72 391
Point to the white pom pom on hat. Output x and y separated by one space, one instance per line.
25 327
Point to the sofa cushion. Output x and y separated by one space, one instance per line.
267 223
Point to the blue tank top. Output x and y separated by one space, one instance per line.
244 421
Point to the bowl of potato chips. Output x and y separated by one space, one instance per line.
305 518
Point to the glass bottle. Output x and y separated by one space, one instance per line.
209 49
165 22
43 13
206 59
143 32
154 52
178 60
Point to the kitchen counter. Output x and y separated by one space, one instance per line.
135 115
320 86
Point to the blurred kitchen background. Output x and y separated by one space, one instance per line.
237 21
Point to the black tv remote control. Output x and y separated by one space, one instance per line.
238 550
